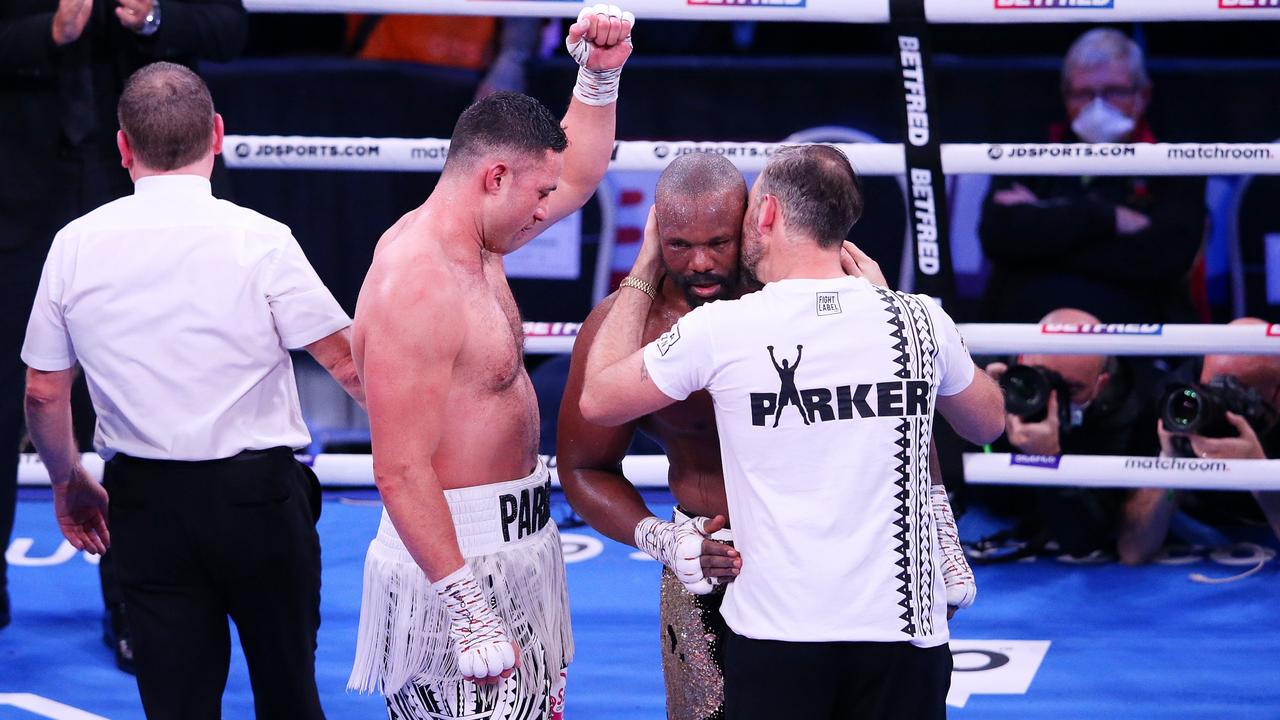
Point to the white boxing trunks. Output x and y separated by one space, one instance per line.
404 650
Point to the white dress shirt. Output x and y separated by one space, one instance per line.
824 392
181 309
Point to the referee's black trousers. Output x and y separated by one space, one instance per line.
770 679
196 542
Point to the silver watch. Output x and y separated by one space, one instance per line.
151 23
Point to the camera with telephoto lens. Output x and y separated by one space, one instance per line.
1027 389
1201 409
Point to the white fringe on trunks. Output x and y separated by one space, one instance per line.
509 541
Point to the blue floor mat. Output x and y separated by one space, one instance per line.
1044 640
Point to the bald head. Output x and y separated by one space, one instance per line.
700 201
1086 374
696 183
1260 372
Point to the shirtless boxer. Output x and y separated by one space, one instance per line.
464 612
699 204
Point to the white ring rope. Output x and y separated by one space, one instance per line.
554 338
1120 471
848 11
288 152
650 471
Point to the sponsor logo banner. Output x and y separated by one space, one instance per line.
307 150
1221 151
753 150
1054 4
1102 329
1247 4
1273 330
551 329
1159 463
1049 462
1039 150
749 3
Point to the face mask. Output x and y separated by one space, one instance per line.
1100 122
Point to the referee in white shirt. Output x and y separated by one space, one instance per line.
181 309
824 388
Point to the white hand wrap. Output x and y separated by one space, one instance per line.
679 547
597 87
956 573
479 637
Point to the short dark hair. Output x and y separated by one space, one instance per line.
166 112
504 121
818 190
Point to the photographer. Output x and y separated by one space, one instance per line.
1247 384
1065 404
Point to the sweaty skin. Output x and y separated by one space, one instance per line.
486 410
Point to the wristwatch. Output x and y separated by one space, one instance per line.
151 23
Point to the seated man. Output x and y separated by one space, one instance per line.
1086 413
1117 247
1149 510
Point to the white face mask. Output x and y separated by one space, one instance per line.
1101 122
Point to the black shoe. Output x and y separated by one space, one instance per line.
115 635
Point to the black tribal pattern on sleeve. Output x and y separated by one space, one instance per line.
912 334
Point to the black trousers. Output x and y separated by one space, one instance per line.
196 542
770 679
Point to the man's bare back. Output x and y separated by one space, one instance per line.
489 429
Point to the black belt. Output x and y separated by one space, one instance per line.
275 453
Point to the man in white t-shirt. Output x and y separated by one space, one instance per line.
851 374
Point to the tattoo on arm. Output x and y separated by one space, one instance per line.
644 371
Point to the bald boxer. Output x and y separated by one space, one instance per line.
465 612
700 201
1149 510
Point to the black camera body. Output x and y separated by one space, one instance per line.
1201 409
1027 389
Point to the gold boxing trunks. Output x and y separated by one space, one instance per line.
693 635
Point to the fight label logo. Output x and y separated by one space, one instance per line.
828 303
668 338
895 398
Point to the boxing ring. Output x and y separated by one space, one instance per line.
1207 676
